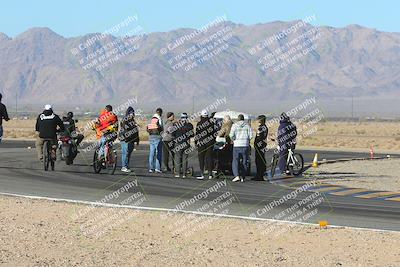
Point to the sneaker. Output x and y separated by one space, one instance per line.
241 180
151 171
210 177
125 169
158 171
236 179
176 176
201 177
184 176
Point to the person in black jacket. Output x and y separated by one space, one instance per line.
287 133
128 135
3 115
182 133
46 127
260 145
205 140
70 128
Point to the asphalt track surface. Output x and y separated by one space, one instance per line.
22 174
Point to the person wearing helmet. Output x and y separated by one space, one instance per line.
47 125
70 128
287 133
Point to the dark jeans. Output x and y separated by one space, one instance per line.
1 132
261 165
239 162
282 160
205 159
181 162
168 153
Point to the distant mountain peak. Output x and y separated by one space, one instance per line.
4 37
39 31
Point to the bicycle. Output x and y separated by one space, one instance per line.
106 161
49 154
294 163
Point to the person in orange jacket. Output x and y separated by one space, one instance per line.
106 127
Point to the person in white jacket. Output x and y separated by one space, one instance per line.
241 134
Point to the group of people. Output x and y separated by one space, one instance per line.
170 143
107 127
170 139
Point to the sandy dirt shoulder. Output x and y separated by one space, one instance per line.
46 233
381 175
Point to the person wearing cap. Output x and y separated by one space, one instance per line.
260 146
182 133
168 142
3 115
240 134
205 140
47 124
128 135
155 129
287 133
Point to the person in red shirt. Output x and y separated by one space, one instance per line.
106 127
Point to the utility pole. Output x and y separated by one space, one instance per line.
16 105
352 106
192 105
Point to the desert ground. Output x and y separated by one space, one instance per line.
381 175
382 136
144 238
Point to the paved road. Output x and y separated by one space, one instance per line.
20 173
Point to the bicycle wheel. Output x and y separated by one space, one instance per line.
111 161
96 162
296 167
274 162
46 156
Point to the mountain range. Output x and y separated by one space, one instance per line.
184 66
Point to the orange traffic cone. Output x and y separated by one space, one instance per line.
323 224
371 152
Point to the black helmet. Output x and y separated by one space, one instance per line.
109 108
285 117
70 114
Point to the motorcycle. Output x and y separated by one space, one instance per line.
67 148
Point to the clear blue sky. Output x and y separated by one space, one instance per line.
73 17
